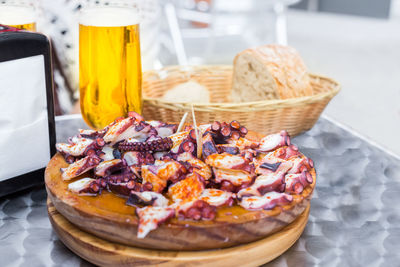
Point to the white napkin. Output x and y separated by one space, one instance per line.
24 136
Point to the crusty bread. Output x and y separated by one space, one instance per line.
188 92
269 72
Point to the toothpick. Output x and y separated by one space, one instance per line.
182 122
199 140
198 136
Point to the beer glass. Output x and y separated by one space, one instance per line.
18 16
109 64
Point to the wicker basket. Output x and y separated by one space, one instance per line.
295 115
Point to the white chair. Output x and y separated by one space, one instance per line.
213 31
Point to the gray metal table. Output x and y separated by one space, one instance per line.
354 219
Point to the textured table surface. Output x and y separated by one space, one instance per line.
354 219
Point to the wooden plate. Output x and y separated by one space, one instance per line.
105 253
107 217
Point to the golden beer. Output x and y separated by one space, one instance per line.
110 72
21 17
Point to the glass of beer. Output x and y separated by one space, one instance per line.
110 73
21 16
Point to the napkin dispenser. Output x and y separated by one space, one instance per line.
27 127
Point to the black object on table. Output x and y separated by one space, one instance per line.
354 218
25 56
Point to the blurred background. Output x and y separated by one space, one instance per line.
355 42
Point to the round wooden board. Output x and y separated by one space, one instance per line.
106 253
108 217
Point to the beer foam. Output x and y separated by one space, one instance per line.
16 15
108 17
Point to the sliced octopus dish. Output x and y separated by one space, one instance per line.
144 184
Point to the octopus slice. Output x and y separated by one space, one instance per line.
187 190
177 139
151 217
124 183
244 143
287 152
249 154
107 153
235 177
136 158
230 149
168 170
136 116
217 198
127 128
295 183
187 145
209 147
265 183
143 131
222 132
79 167
158 184
270 163
122 188
92 134
120 130
195 210
76 149
230 162
155 124
185 156
201 168
268 201
163 129
85 186
267 167
161 171
159 155
198 166
87 132
300 164
147 198
105 168
274 141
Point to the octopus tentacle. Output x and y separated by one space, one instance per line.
264 184
223 132
274 141
146 198
198 210
106 168
92 134
268 201
157 145
295 183
86 186
79 167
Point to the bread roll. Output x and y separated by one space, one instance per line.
188 92
269 72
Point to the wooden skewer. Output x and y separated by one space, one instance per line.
182 122
199 144
199 138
